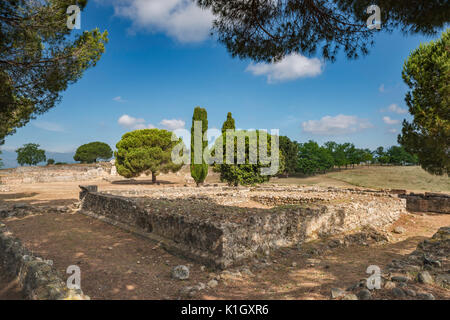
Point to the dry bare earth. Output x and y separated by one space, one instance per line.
119 265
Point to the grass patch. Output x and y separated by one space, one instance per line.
377 177
409 178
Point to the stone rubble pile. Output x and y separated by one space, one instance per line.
411 277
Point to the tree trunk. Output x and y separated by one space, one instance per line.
153 178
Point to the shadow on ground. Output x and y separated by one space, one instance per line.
141 182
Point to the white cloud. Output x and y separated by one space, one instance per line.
340 124
173 124
392 131
382 88
133 123
49 126
395 109
390 121
179 19
292 67
119 99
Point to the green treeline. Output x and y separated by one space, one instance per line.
310 158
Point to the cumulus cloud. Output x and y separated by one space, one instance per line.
340 124
395 109
172 124
292 67
133 123
390 121
179 19
49 126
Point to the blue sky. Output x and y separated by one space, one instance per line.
160 63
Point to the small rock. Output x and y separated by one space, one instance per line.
399 230
201 286
443 280
350 296
364 294
186 291
180 272
360 284
202 268
399 279
212 283
425 296
337 293
389 285
334 243
294 264
410 292
398 293
425 277
21 206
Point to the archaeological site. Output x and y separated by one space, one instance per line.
276 240
225 159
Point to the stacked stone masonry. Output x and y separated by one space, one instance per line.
428 202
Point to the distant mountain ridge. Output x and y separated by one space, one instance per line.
9 158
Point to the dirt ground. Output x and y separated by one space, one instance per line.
119 265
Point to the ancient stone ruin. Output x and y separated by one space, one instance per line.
56 173
427 202
223 226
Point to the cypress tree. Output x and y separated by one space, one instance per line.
199 169
228 124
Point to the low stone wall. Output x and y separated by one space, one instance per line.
55 173
223 236
36 277
428 202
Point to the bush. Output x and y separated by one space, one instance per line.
246 173
50 162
